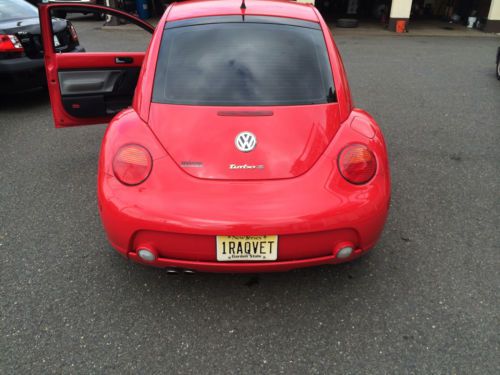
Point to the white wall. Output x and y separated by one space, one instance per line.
402 8
494 13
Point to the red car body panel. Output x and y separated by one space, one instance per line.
300 195
291 156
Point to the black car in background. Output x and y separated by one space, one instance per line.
21 50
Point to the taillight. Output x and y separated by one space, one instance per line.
357 164
132 164
10 43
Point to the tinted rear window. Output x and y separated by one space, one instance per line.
243 64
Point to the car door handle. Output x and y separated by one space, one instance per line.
124 60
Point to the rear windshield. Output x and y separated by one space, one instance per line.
15 10
243 63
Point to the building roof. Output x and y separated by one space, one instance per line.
274 8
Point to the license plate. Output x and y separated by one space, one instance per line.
56 41
247 248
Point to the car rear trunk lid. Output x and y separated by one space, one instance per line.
202 139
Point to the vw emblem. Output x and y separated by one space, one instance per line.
245 141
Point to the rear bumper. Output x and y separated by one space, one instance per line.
24 73
198 252
21 74
244 267
180 222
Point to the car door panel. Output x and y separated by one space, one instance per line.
81 82
97 93
88 88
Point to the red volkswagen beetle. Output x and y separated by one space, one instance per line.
240 150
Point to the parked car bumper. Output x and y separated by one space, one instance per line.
23 73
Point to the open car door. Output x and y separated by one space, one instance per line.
87 88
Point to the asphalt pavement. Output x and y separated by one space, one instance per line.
424 301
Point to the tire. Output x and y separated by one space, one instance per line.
498 69
99 16
347 22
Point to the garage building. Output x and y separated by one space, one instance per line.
400 13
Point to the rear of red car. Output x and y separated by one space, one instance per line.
246 160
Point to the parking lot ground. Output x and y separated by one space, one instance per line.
424 301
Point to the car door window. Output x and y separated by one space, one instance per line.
96 32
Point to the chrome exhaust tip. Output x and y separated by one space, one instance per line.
189 272
172 271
